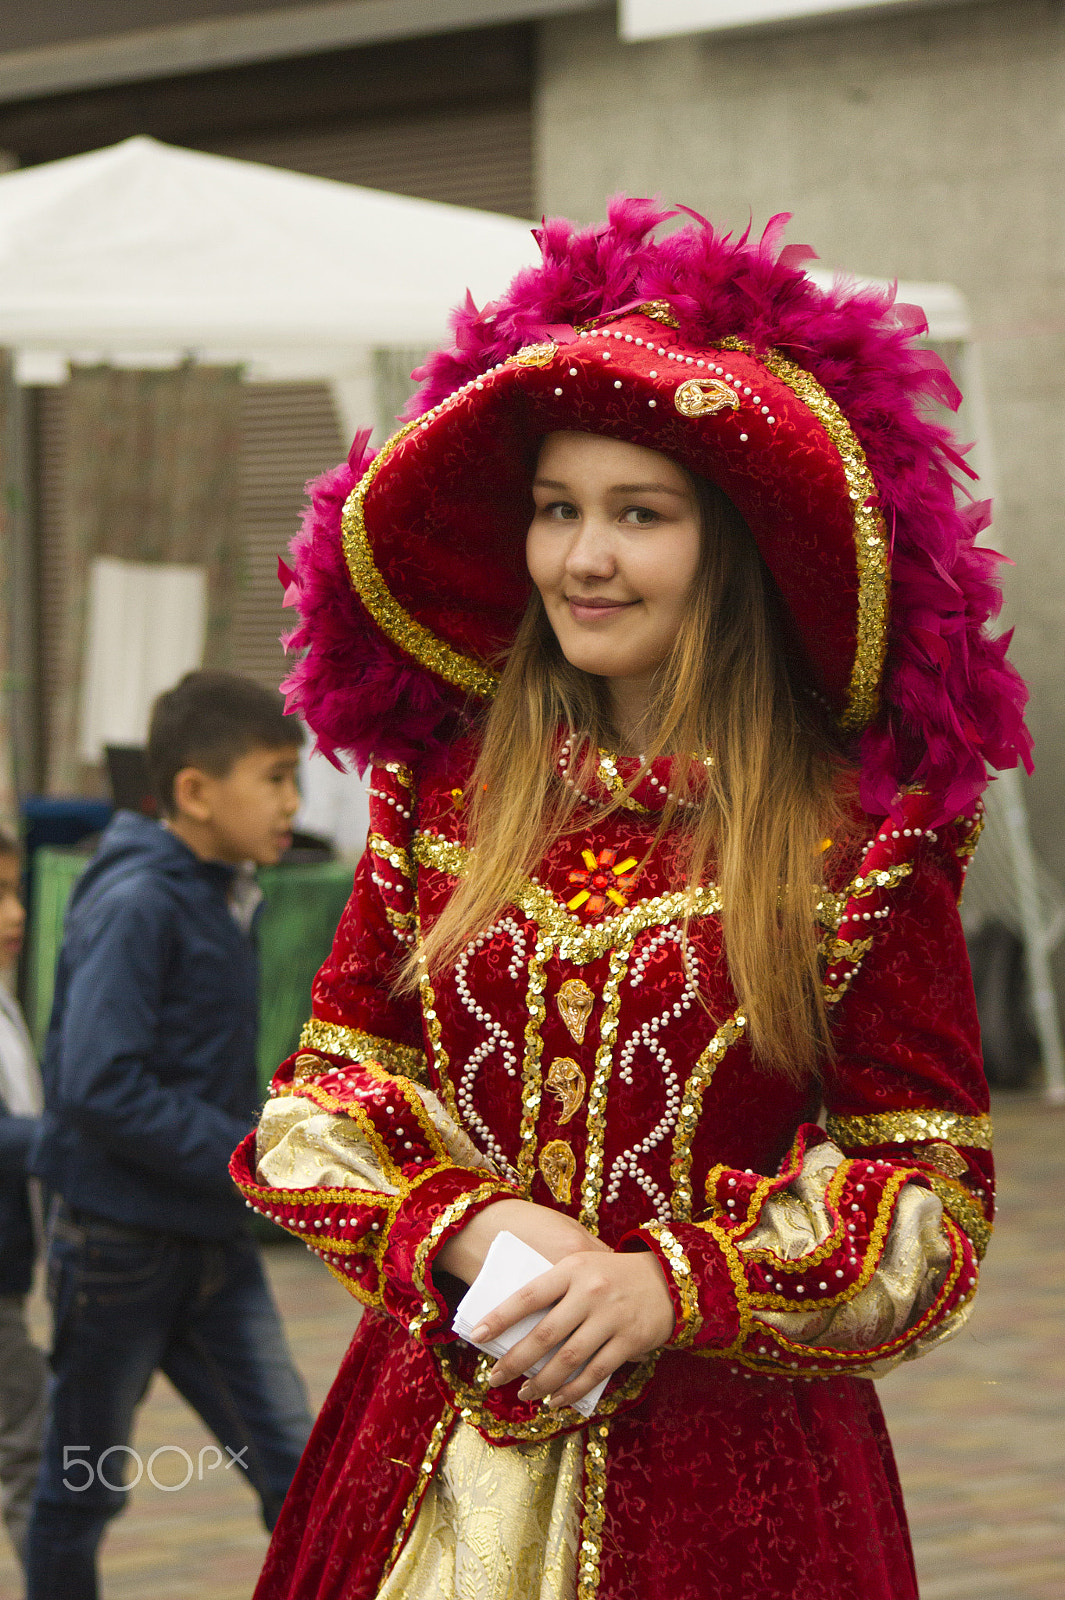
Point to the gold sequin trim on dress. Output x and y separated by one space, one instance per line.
590 1558
592 1184
531 1087
680 1166
437 1440
911 1127
681 1271
574 940
336 1040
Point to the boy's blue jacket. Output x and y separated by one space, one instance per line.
149 1067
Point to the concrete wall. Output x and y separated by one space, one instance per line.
926 146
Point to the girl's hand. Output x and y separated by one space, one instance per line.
552 1233
610 1308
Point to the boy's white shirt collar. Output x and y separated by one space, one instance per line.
20 1079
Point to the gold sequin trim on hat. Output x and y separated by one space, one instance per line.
333 1039
396 623
870 536
659 311
910 1127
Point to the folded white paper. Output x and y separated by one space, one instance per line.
509 1265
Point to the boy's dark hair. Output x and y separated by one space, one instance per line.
209 720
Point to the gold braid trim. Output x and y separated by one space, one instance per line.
836 1360
874 1250
334 1039
911 1127
967 1212
681 1272
828 1246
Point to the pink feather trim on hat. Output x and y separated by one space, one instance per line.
951 704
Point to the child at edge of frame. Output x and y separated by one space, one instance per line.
149 1075
653 961
23 1375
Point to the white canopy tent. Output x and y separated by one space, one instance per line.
144 254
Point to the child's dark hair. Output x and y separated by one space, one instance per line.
209 720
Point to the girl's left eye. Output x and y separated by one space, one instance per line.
640 516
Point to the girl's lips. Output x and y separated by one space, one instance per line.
593 610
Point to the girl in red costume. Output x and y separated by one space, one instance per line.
662 622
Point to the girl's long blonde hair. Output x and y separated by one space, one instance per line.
758 811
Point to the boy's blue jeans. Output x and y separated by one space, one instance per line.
126 1302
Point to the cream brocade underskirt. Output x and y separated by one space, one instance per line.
503 1522
497 1523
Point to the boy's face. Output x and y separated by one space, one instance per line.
12 914
246 815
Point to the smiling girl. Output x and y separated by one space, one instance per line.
665 632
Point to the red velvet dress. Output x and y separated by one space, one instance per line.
745 1461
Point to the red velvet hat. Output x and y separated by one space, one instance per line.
803 407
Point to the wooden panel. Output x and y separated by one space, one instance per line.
289 434
51 453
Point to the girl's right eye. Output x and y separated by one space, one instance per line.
560 510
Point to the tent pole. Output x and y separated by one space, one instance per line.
1036 948
1015 812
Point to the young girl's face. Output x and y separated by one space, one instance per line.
613 549
12 915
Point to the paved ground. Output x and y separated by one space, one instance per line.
979 1427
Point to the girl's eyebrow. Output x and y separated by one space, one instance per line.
617 488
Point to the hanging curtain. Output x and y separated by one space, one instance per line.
152 476
8 802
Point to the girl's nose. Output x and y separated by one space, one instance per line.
591 553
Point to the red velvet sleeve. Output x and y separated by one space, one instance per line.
361 1057
907 1106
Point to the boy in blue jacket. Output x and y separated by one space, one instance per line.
149 1074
